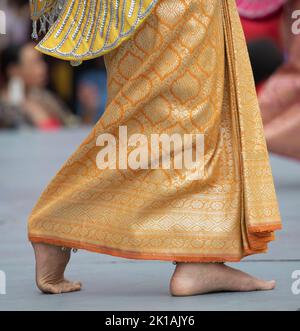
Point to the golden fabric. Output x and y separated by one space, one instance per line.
185 70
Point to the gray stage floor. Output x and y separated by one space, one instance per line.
28 160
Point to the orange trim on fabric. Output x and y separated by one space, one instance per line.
132 255
265 228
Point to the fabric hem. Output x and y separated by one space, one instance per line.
264 228
134 255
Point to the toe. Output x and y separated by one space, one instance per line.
76 286
270 285
71 286
266 285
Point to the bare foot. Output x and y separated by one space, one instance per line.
199 278
51 262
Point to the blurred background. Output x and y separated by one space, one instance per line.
42 92
272 30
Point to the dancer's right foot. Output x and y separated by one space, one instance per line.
200 278
51 262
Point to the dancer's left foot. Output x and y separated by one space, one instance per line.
51 262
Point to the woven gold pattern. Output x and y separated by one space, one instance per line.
185 70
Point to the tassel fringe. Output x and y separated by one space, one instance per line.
43 23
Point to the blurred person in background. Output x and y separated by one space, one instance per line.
91 91
25 99
277 68
17 23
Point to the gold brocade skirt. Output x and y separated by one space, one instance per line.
185 70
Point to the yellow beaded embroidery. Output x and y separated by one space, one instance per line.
86 29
